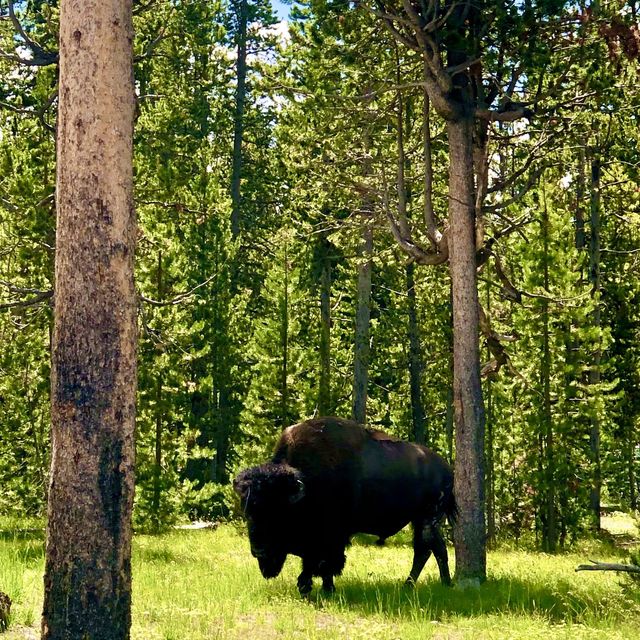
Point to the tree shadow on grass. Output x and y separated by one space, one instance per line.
430 600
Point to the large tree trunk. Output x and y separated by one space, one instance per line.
93 388
470 537
238 117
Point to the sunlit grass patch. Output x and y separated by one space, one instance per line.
621 524
204 584
21 569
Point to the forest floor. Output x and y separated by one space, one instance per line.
203 583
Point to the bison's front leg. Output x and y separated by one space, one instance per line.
305 582
305 579
421 552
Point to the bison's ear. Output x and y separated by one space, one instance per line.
298 492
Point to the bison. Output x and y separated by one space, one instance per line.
331 478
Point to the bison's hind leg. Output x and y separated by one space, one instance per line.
439 548
427 539
330 567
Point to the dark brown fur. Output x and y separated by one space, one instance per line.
345 479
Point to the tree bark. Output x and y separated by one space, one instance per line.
470 535
93 378
238 118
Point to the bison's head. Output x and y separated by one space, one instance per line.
267 495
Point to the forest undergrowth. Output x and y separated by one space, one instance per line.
197 584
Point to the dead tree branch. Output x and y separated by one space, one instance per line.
179 298
608 566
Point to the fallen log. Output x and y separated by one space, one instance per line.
608 566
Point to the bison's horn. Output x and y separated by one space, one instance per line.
299 494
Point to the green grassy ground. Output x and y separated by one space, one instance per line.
204 584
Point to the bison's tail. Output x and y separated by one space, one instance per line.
451 507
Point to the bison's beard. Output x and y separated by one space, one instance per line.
271 565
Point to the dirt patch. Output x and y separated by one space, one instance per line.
19 632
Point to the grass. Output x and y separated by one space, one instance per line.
204 584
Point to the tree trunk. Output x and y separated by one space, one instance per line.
238 118
490 482
549 531
631 473
579 210
157 466
449 422
284 344
221 475
594 372
93 378
363 313
415 362
470 535
159 410
324 392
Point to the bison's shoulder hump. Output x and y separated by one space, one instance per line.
321 443
381 436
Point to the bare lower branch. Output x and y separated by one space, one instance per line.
41 57
178 299
508 115
30 302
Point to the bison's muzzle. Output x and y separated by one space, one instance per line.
270 564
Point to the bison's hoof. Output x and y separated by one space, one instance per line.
305 588
328 588
410 583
